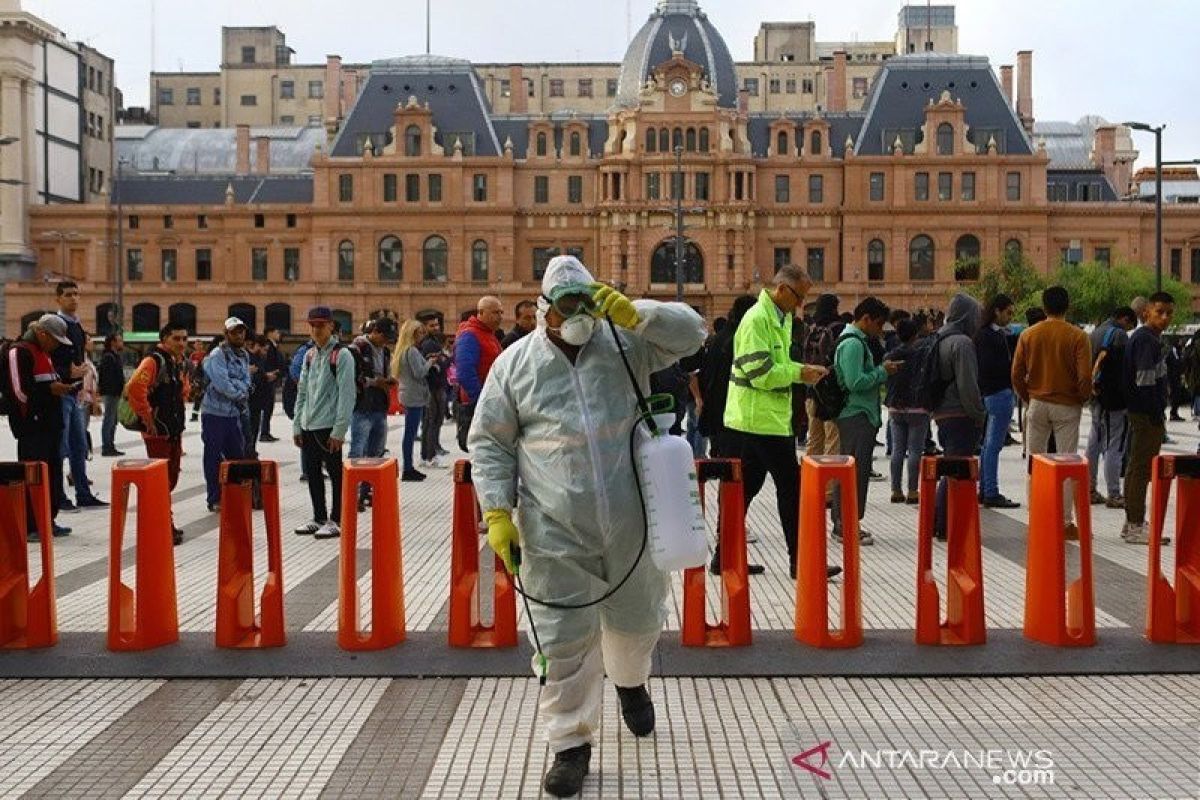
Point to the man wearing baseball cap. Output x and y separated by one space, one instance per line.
324 404
227 369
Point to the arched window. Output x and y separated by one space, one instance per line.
945 139
541 143
676 139
479 261
781 143
664 141
704 140
245 312
691 140
183 315
343 321
106 319
434 256
345 271
391 259
875 260
651 140
278 316
816 143
146 317
662 263
576 146
966 258
920 258
412 141
1013 251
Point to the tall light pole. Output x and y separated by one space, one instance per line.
679 223
1158 197
119 266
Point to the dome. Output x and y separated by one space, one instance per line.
678 25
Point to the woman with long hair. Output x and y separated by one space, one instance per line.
411 368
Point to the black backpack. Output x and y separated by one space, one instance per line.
928 387
829 395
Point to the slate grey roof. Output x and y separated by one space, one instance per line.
680 23
1069 184
210 190
906 84
516 127
212 151
840 126
450 86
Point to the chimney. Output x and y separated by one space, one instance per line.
262 156
1006 83
518 97
1025 88
1104 156
242 166
743 100
835 88
333 87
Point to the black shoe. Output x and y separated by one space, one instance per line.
195 416
714 566
266 437
61 530
33 536
65 506
831 572
566 774
176 536
111 452
1000 501
214 508
303 478
637 709
412 475
92 502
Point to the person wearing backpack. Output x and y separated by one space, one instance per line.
33 393
995 384
907 423
227 370
860 418
156 394
758 408
411 367
1107 437
324 404
820 340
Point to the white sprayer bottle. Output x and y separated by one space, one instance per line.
675 519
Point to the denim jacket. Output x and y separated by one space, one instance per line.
228 373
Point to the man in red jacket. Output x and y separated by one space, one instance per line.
475 348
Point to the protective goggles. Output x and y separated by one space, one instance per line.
572 302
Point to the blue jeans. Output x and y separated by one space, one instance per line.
908 432
223 441
73 447
958 436
412 423
697 440
368 434
1000 408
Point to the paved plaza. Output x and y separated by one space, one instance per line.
776 719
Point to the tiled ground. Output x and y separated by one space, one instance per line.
729 736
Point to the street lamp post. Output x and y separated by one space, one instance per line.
119 266
1158 197
679 224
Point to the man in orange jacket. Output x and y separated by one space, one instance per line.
156 393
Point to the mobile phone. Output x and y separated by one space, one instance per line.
76 386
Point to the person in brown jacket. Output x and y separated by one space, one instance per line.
1052 374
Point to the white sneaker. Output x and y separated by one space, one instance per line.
865 539
329 530
423 464
1136 534
308 529
437 463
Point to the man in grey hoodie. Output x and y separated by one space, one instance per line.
961 413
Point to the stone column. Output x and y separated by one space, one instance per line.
14 213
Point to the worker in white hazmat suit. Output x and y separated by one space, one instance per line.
557 411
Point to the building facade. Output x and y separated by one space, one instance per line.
427 197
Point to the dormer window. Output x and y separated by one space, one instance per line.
540 147
412 141
781 143
945 139
816 143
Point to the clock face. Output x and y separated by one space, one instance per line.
678 87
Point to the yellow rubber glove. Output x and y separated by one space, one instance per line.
616 305
501 535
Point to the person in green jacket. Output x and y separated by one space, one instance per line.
861 418
758 411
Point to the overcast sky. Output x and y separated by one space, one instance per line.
1090 56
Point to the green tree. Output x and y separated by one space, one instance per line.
1097 289
1016 277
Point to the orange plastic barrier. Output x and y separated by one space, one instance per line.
734 628
394 406
465 627
964 555
149 618
27 616
236 626
1056 613
387 581
1173 614
812 608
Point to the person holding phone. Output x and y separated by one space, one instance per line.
368 422
411 366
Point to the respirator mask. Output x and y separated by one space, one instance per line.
579 322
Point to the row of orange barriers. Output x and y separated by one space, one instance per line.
1056 612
